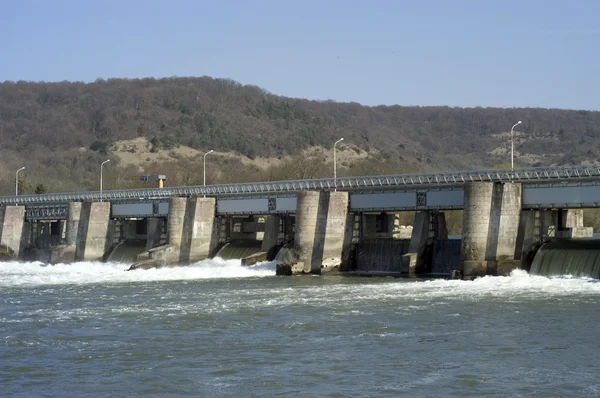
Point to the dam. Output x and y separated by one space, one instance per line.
315 226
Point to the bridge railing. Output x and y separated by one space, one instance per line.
343 183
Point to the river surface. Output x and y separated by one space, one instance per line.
217 329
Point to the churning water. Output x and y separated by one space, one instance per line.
218 329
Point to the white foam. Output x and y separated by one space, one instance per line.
421 295
36 273
519 285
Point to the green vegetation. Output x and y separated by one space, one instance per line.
63 131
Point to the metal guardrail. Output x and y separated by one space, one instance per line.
537 174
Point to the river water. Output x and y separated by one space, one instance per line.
218 329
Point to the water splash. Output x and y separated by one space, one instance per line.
37 273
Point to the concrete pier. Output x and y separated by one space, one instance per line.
529 237
11 231
271 234
414 261
320 231
335 230
92 240
199 237
175 220
428 226
491 219
191 233
73 217
154 228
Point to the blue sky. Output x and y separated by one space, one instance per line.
528 53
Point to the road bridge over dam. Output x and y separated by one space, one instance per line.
348 224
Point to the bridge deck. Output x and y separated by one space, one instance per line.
422 180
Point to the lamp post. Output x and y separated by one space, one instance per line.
335 165
17 181
512 146
211 151
101 166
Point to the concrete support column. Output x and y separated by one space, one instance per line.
441 230
351 237
391 225
414 262
271 234
308 239
191 233
320 230
199 237
335 229
490 227
529 238
73 217
288 227
92 237
11 231
175 221
153 232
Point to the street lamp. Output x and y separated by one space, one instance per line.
335 165
512 146
211 151
102 165
17 181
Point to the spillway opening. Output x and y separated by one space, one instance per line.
575 257
238 249
126 252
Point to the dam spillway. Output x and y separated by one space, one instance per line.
502 227
577 257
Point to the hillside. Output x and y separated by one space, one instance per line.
61 132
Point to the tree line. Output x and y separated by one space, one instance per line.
62 131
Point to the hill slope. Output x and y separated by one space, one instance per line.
62 131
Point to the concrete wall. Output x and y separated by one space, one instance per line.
12 239
491 219
92 240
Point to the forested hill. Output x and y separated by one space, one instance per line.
62 131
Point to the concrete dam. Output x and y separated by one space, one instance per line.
355 231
